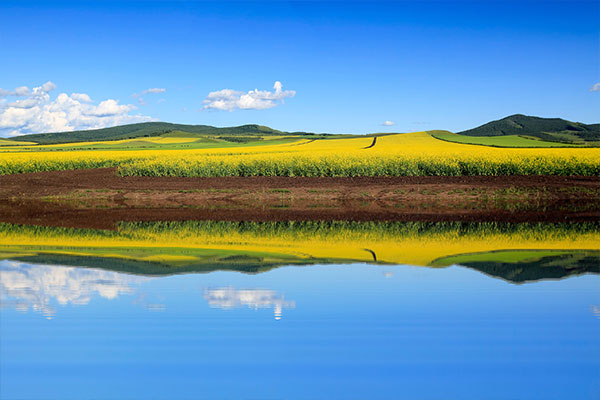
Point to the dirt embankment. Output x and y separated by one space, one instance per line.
99 198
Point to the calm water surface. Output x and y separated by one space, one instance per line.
355 331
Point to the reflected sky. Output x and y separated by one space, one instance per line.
37 287
347 332
40 288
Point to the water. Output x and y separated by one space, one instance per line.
321 331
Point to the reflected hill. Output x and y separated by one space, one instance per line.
514 252
527 266
241 263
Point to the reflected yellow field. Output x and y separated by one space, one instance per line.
182 243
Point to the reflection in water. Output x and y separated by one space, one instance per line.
30 286
229 297
383 327
432 333
596 311
144 301
33 286
202 246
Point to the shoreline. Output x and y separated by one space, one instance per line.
99 198
51 182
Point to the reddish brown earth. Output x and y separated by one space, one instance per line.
99 198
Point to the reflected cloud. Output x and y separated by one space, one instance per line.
596 311
229 297
32 286
143 301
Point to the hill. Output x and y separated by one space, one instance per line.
547 129
550 129
147 129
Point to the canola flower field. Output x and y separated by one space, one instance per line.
181 244
409 154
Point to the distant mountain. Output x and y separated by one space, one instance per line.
552 129
147 129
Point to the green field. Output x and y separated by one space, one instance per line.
8 142
499 141
139 144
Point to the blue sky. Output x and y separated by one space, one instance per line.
351 66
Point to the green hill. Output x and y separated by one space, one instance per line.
547 129
148 129
550 129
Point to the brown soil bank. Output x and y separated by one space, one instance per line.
99 198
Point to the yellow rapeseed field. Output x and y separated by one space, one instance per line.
394 155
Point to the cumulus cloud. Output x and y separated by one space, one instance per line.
230 100
140 95
595 87
20 91
388 123
34 111
82 97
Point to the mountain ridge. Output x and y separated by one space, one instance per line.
145 129
550 129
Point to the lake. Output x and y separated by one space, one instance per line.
194 310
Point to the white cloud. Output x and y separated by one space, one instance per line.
145 92
154 90
595 87
82 97
110 107
36 112
229 100
20 91
388 123
24 90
